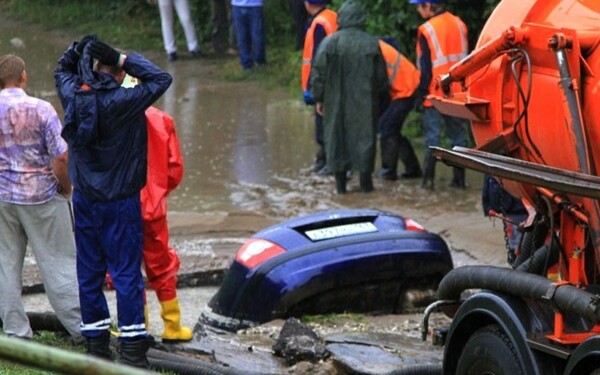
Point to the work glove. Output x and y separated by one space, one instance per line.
104 53
308 98
83 42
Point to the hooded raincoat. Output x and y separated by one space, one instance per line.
349 77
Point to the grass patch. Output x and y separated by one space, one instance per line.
329 319
50 339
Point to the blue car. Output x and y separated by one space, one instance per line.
330 262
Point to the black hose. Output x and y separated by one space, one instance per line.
541 258
531 241
181 368
419 370
566 298
43 322
188 365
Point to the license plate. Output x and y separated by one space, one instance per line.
340 231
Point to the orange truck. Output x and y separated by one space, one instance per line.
532 95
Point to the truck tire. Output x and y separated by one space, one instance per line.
489 351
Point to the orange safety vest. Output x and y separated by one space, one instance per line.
402 74
446 37
326 18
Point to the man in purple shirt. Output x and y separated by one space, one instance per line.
34 204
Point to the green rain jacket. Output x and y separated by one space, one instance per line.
349 77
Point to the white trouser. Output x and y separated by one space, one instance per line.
182 7
48 229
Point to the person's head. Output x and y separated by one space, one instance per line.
351 14
427 8
313 6
12 71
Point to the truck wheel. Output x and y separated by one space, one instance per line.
489 352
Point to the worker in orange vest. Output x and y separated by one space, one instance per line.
404 79
441 42
323 22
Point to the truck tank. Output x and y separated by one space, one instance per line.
532 88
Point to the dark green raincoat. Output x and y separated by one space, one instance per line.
349 77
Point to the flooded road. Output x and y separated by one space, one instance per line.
245 146
247 153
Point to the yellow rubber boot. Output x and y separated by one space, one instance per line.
171 315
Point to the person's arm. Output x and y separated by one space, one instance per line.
175 168
60 167
425 69
65 75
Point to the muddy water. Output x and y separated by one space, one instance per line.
244 146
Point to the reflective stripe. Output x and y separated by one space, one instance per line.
132 327
133 334
436 44
100 325
441 59
133 330
393 69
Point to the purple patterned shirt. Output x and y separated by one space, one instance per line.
29 140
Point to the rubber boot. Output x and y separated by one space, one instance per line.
407 155
133 353
458 178
99 346
389 158
366 182
429 171
340 182
174 331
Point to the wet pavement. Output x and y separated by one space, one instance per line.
247 153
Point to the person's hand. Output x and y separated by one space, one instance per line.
104 53
83 42
308 98
320 108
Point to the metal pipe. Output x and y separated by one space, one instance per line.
431 308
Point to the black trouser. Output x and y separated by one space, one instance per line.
392 143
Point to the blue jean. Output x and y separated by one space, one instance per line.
250 32
455 128
109 237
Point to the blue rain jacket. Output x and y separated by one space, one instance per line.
105 124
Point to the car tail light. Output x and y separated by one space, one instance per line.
254 252
413 225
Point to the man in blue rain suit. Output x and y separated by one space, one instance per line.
105 128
